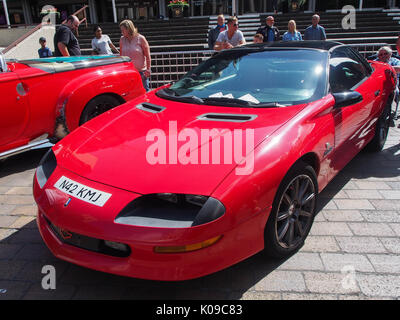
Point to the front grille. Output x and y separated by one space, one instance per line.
88 243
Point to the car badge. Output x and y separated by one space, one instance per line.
67 203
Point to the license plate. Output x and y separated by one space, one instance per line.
82 192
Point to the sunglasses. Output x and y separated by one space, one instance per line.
236 24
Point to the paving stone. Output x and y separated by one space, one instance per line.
322 282
385 204
371 229
364 194
390 194
356 204
20 191
379 285
385 263
61 292
320 244
6 209
282 281
338 262
330 229
7 221
303 261
308 296
8 251
21 222
16 199
13 290
30 210
391 244
372 185
360 245
261 296
395 227
342 215
380 216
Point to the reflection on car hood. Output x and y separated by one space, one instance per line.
118 147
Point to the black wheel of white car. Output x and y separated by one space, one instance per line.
97 106
292 212
381 131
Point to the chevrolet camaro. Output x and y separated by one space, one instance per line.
228 161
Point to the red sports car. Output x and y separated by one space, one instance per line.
44 99
197 176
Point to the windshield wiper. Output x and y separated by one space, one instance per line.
228 101
171 95
269 105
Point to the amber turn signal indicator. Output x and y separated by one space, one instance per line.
187 248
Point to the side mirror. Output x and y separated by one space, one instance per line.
346 98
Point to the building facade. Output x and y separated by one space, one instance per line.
17 12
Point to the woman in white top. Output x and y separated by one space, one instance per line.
101 43
136 47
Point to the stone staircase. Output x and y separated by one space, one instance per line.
190 34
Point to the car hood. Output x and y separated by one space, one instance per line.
146 152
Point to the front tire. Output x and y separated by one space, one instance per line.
292 212
97 106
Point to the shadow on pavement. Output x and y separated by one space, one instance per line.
19 162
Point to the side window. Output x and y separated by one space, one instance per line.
345 70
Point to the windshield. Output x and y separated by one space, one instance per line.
278 77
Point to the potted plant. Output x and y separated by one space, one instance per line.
177 6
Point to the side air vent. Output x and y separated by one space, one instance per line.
227 117
150 107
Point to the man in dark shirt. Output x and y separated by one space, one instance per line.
269 32
65 42
214 33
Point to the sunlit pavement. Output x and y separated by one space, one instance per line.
352 252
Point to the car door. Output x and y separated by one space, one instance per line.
13 108
348 72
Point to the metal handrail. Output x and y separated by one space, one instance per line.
83 9
22 38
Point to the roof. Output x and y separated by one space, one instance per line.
310 44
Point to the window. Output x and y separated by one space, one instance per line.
346 70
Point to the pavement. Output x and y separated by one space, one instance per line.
352 252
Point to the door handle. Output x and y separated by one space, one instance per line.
377 92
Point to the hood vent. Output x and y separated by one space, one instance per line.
152 108
227 117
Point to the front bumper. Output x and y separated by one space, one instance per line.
237 242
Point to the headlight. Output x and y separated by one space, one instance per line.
46 167
170 210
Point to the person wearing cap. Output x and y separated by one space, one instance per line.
44 52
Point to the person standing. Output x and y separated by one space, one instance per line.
315 31
101 43
230 38
214 33
65 42
135 46
269 32
292 34
44 52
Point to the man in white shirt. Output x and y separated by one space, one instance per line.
230 38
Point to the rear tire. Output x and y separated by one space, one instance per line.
97 106
292 213
381 131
